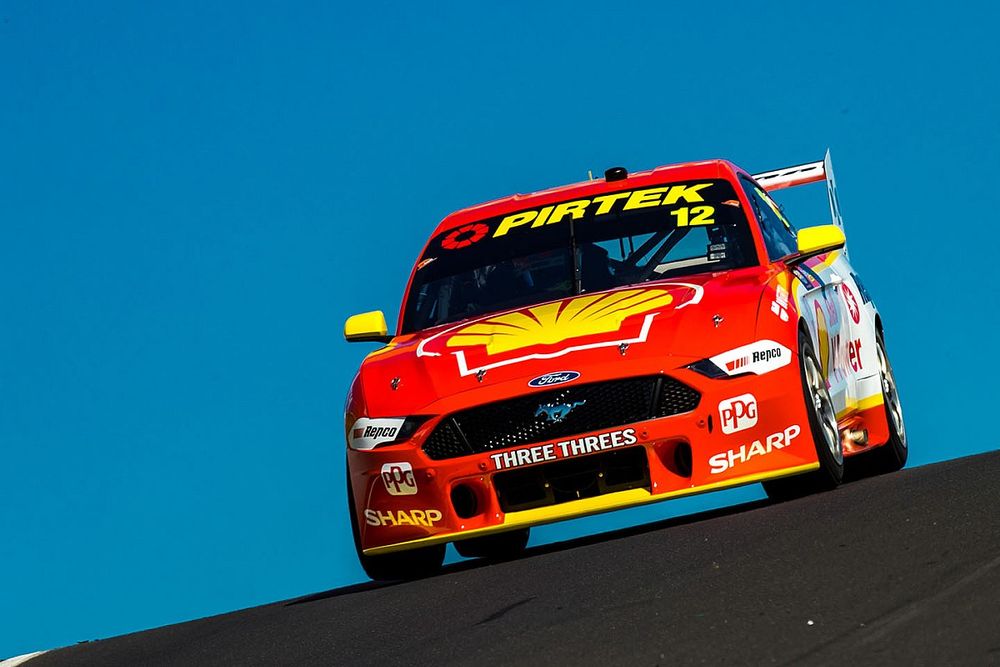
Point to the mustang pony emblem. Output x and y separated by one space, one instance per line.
556 412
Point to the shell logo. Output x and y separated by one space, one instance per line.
553 323
551 330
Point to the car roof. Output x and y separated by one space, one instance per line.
668 173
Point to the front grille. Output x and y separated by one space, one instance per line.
594 406
572 479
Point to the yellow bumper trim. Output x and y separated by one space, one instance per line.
861 404
585 507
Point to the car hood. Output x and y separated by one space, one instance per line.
632 330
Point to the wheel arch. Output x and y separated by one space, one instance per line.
803 327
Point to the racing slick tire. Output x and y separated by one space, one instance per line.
401 565
502 546
825 434
891 456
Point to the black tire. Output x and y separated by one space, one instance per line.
501 546
409 564
891 456
825 434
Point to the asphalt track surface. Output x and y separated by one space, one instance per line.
899 569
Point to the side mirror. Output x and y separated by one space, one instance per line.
367 327
814 241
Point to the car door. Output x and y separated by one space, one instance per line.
856 355
817 294
822 307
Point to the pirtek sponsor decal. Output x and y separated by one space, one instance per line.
464 236
725 460
426 518
602 205
563 450
738 413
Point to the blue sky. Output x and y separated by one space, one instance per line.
193 198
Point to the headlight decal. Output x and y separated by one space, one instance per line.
369 433
760 357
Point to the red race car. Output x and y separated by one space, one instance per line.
608 344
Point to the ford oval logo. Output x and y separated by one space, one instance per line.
557 377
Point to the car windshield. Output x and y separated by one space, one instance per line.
582 245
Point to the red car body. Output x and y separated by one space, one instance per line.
411 485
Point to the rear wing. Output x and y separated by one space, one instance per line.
801 174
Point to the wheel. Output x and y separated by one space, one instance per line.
891 456
825 434
409 564
502 546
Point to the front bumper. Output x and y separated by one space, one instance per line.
404 499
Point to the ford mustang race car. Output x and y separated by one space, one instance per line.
602 345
